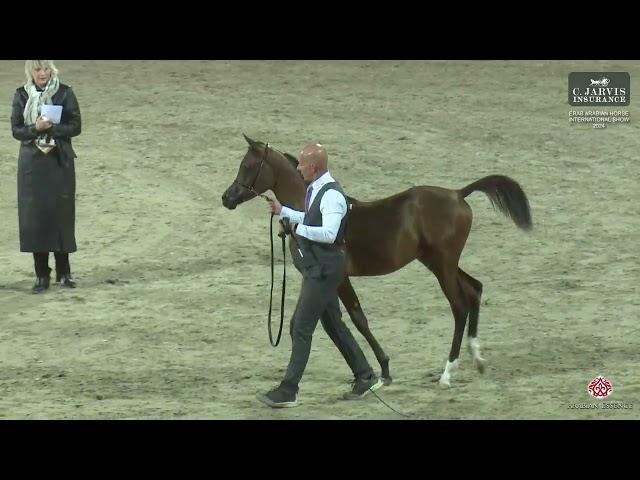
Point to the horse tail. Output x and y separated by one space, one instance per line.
505 194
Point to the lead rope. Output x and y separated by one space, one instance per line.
284 285
389 406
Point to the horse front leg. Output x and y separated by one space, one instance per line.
351 303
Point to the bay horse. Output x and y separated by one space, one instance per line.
425 223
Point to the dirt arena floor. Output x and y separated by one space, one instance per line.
169 318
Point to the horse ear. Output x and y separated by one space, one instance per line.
249 141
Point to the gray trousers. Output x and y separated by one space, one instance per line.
319 300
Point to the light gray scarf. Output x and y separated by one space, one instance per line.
33 107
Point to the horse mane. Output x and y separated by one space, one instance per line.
293 160
259 147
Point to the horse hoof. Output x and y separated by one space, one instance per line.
444 383
386 380
480 364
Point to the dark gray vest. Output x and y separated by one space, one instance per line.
313 218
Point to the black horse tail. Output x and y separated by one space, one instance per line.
505 194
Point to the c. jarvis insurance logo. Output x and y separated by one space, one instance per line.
603 89
600 387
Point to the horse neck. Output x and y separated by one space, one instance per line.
289 188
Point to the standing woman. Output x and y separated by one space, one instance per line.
46 171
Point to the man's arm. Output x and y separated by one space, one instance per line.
276 208
294 215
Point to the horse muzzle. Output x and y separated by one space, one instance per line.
235 195
230 200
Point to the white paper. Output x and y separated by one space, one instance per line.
52 112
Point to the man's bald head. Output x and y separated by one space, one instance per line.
313 162
317 155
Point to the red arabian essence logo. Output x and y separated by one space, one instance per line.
600 387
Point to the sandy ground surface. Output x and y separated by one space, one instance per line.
169 319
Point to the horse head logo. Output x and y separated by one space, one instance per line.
603 82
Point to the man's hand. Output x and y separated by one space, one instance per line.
287 227
43 123
274 206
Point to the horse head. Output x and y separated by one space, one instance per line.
255 175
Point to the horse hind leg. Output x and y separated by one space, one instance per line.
447 276
351 303
473 291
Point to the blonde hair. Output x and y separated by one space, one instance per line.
30 65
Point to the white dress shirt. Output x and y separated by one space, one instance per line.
333 207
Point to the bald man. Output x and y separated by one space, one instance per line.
320 234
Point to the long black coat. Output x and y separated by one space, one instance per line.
47 182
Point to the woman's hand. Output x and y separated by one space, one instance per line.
43 123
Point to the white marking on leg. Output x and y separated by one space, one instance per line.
478 361
474 345
445 378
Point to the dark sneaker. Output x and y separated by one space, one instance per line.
361 388
279 398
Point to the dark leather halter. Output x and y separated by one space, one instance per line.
252 187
